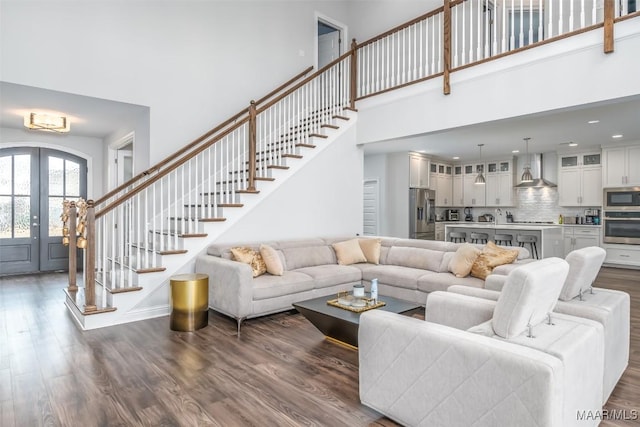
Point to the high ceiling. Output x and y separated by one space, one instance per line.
549 131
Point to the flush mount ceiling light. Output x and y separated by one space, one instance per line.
456 157
573 144
47 122
526 173
617 136
480 178
592 122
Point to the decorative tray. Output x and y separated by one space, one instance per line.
355 304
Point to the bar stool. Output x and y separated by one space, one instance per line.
458 237
479 237
532 241
503 239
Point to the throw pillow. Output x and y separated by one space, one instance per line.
371 250
491 257
272 260
251 257
463 259
349 252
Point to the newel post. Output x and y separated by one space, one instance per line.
90 259
252 146
353 79
446 48
69 237
609 15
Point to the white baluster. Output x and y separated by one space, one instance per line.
571 12
531 40
582 14
560 17
550 30
521 34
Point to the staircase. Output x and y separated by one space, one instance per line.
153 226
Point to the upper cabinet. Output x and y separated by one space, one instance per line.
458 186
620 166
500 180
418 171
441 180
580 179
474 194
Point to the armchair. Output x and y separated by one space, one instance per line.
430 373
579 298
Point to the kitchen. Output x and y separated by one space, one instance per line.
574 205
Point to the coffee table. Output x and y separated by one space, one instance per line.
341 326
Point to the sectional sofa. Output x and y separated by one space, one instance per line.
408 269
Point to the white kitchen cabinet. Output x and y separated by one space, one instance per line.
474 194
620 166
500 181
440 236
458 186
441 179
577 237
418 171
580 180
626 255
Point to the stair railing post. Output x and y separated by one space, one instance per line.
252 146
609 16
446 48
73 248
90 259
353 78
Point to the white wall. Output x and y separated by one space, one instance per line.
586 75
194 63
85 147
324 198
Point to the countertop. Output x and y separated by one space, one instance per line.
512 224
508 226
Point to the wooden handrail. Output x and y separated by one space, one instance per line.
165 172
198 140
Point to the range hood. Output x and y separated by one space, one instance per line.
537 172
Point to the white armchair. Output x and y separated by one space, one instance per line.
578 298
430 373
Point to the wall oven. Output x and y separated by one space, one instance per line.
622 198
621 226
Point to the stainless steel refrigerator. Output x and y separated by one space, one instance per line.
422 217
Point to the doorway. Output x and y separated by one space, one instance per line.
330 36
371 207
121 167
33 184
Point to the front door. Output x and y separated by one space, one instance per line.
33 184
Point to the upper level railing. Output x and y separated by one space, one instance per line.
148 215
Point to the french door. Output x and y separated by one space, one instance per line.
33 184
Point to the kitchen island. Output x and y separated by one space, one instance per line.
550 236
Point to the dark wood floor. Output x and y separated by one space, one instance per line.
280 372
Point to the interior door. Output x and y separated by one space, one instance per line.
370 206
328 44
33 184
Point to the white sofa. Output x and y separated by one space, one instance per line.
609 307
409 269
472 362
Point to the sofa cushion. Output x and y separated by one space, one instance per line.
463 259
325 276
272 260
394 275
491 257
425 259
529 293
431 282
584 265
371 249
253 258
505 269
291 282
308 256
349 252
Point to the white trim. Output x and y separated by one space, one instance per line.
64 149
112 153
344 35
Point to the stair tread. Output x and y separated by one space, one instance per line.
221 205
318 135
306 145
220 219
78 297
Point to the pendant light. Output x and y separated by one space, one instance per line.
526 173
480 178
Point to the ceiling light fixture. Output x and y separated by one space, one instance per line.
573 144
47 122
617 136
480 178
526 173
515 151
591 122
456 157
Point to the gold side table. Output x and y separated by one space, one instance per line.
189 302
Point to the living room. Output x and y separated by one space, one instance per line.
314 203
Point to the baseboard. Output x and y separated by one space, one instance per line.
145 313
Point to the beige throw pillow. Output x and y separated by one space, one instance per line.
491 257
272 260
463 259
371 249
251 257
349 252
